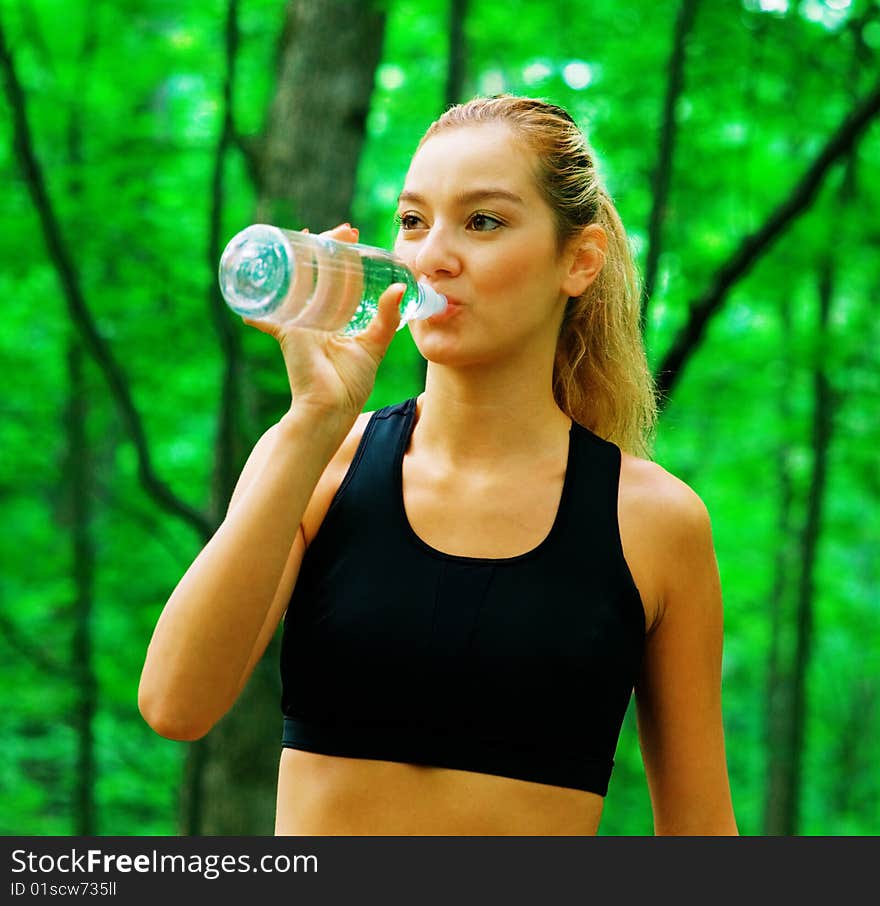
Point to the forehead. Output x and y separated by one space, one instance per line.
464 158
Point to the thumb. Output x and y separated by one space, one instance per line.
261 325
380 332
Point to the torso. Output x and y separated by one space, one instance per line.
322 795
327 795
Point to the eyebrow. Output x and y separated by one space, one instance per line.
469 197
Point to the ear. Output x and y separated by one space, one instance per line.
586 256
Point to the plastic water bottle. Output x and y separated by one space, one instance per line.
268 273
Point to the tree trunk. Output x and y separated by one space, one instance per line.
787 689
79 474
312 146
778 690
456 74
78 477
230 443
853 755
230 446
456 58
822 431
317 120
663 172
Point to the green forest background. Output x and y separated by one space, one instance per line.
740 141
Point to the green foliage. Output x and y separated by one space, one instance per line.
124 103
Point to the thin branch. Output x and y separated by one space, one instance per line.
456 67
31 652
752 247
456 60
662 176
146 520
193 793
79 311
857 27
226 445
251 148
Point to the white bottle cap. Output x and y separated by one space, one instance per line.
430 302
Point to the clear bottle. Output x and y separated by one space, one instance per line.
273 274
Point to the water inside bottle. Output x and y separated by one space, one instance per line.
378 275
354 277
280 275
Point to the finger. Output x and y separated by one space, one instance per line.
380 332
350 274
320 296
331 307
345 232
304 274
353 288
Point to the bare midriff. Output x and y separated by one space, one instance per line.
329 795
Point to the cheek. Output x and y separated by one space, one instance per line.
523 273
400 250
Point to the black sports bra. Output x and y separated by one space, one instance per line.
521 667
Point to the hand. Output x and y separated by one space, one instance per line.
330 374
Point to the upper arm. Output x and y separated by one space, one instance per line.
312 518
678 693
277 608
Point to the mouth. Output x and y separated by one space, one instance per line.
453 306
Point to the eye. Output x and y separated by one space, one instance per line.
409 221
484 223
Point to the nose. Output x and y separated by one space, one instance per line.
437 253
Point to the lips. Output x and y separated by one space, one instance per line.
453 306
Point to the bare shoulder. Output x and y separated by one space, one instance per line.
348 447
664 525
663 498
332 478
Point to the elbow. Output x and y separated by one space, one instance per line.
169 721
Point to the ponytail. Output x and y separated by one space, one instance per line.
601 377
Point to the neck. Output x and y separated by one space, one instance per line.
477 417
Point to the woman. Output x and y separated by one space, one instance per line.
472 582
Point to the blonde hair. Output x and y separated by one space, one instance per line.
601 377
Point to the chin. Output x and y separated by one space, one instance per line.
443 348
447 354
